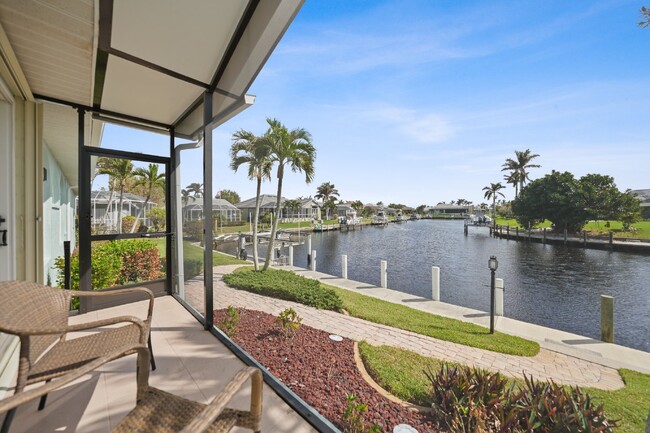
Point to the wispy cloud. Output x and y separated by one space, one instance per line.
423 127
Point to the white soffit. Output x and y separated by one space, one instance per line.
60 135
188 37
264 31
142 92
53 42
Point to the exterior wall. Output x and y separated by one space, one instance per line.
58 215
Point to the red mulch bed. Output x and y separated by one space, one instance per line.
321 371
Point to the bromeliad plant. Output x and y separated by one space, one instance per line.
466 399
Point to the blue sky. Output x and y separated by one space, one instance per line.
419 102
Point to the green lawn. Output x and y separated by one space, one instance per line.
640 230
390 314
401 372
192 252
443 328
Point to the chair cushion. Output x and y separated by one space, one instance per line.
73 353
162 412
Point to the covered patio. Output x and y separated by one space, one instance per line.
180 69
190 362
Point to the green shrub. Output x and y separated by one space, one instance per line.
229 324
289 322
140 260
128 222
193 229
285 285
192 268
354 417
114 263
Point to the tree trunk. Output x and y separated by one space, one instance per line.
119 211
255 220
274 228
140 214
494 207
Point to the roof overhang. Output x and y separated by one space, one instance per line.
146 62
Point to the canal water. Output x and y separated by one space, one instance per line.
554 286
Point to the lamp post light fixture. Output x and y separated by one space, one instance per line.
493 264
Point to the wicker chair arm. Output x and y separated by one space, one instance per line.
205 419
99 293
144 327
26 396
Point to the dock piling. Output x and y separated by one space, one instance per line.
607 318
313 260
308 250
435 283
384 274
499 296
344 266
291 256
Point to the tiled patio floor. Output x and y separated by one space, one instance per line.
191 363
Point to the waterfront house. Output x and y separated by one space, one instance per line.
451 209
644 196
180 69
309 209
106 213
344 209
193 210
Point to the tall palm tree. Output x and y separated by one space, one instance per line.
357 205
521 165
120 172
185 196
249 149
195 189
293 205
328 193
151 181
491 192
512 178
287 147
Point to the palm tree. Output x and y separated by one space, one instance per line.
249 149
120 172
357 205
287 147
195 189
293 205
512 178
491 192
521 166
185 196
151 181
328 193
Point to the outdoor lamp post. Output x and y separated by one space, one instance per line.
493 264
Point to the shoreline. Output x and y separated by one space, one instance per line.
578 346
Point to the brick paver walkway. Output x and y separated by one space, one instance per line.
544 366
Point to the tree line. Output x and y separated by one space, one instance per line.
561 198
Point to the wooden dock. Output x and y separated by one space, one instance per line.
543 236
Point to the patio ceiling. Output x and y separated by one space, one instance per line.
146 61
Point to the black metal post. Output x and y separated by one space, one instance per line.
85 265
66 265
207 209
492 284
170 185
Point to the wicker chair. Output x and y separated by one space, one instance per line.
157 411
38 315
